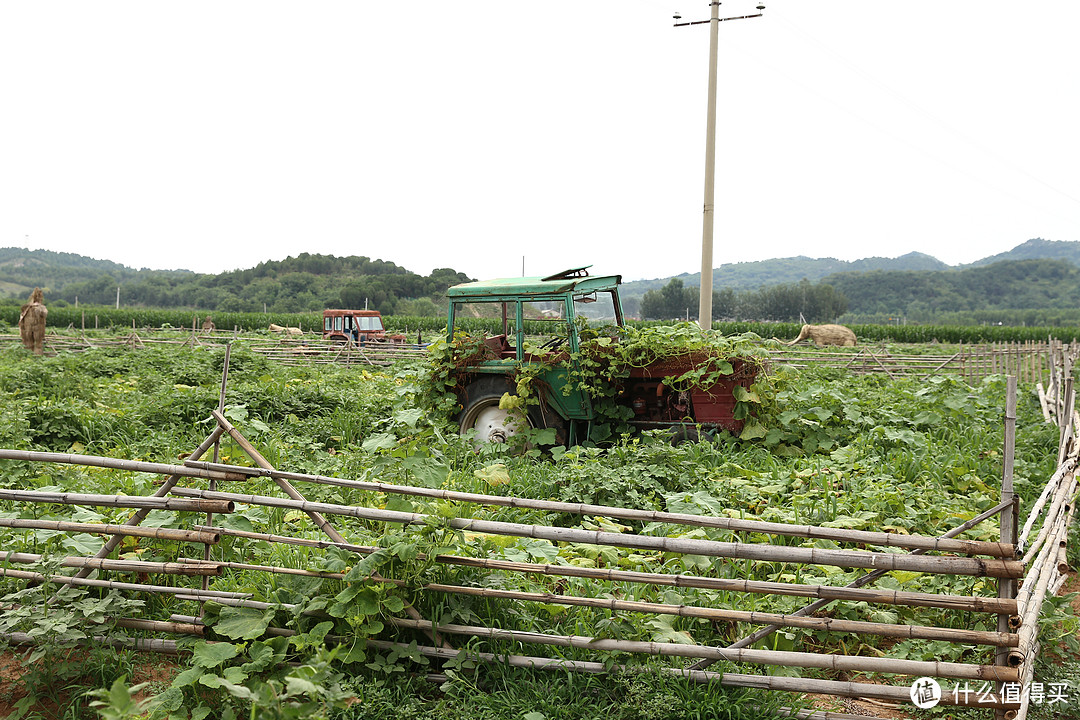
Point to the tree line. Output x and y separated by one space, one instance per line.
304 283
991 293
816 302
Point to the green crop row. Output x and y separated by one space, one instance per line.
92 317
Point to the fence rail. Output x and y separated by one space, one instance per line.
1029 361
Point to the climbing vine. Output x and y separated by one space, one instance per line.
689 358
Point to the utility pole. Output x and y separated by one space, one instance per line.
705 300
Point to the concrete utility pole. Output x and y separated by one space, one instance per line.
705 300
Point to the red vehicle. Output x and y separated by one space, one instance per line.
356 325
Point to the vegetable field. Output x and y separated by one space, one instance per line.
293 623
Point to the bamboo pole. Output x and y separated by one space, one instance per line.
1063 491
1029 627
719 614
275 569
838 663
1066 425
285 486
113 584
1025 683
948 545
140 515
1009 517
785 684
118 464
217 447
748 616
859 582
166 647
1047 492
106 529
137 566
161 626
292 492
843 558
764 682
854 594
118 501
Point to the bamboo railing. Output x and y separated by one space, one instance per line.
1029 361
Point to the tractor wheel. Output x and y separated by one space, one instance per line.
481 412
684 433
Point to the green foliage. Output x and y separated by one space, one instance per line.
59 618
602 362
304 283
818 303
845 451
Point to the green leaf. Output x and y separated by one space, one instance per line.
300 686
408 417
744 395
752 431
210 655
185 678
262 656
242 623
379 441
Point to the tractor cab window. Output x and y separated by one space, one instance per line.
597 309
547 324
338 322
328 324
495 320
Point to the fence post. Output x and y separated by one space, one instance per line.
1009 520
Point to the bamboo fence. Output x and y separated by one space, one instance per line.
1026 570
1029 361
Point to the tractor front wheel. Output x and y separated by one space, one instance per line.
481 413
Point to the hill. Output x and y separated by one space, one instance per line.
304 283
1037 275
991 289
753 275
1036 249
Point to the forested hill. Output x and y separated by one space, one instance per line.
983 290
754 275
296 284
1037 249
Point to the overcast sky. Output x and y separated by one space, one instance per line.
215 135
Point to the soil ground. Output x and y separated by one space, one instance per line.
158 670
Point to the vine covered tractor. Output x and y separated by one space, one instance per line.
542 325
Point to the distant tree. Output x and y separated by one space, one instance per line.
670 302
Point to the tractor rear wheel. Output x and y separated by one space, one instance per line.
481 413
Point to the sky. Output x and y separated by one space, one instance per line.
500 137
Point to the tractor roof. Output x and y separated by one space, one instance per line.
576 280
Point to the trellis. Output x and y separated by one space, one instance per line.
1036 565
1030 361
